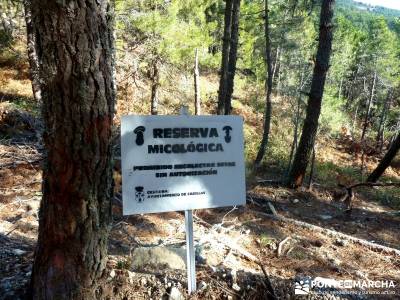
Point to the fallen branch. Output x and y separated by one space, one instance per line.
223 218
272 182
371 184
200 220
17 201
332 233
253 258
237 249
272 208
20 217
280 245
232 246
259 200
24 162
232 293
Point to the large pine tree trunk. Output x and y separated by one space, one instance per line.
232 56
386 160
32 57
298 170
268 89
75 51
225 58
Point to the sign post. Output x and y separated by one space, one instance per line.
190 252
175 163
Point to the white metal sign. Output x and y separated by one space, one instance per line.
172 163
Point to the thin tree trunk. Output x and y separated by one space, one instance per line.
197 103
32 57
277 62
295 137
362 162
297 172
268 90
340 89
354 123
382 121
365 125
386 160
350 93
293 148
232 55
366 119
278 84
155 83
76 59
225 58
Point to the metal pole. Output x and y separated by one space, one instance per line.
190 254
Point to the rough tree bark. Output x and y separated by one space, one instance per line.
76 56
298 170
234 40
32 56
225 57
386 160
268 90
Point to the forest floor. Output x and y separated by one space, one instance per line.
310 235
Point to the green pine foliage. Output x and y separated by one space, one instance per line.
366 44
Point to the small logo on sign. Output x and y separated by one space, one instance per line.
139 135
227 130
139 194
302 286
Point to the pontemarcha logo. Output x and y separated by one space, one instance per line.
302 286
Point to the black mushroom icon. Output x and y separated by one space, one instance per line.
139 135
227 130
